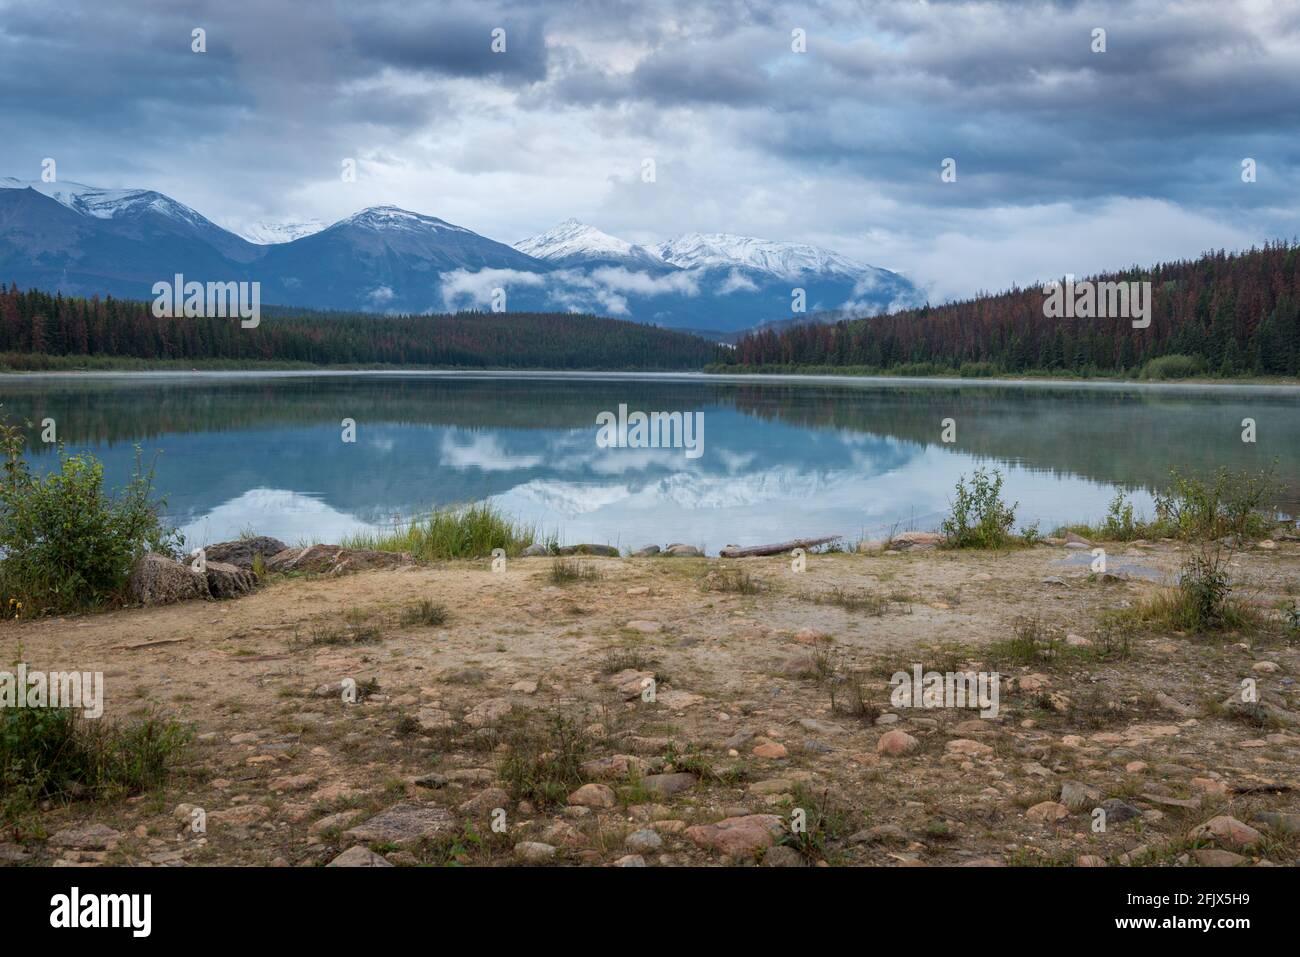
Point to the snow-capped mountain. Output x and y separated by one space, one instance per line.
83 240
269 233
138 213
397 220
107 203
783 260
573 242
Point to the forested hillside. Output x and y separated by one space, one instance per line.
1230 314
38 324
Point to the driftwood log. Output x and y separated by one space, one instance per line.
754 551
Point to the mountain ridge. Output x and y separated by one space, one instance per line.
87 240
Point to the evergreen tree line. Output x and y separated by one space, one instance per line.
36 322
1231 314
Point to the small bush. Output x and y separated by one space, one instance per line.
67 542
1227 505
979 518
565 571
56 754
734 580
544 765
1031 643
1173 367
424 612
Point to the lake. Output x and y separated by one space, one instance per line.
779 457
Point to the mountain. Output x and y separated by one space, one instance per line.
572 243
391 260
782 260
83 240
139 214
269 233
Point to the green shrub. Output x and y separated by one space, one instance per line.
68 543
544 765
56 754
1173 367
979 518
471 531
1228 505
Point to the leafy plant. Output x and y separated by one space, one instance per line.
67 542
979 517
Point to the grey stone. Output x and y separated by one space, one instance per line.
359 856
404 824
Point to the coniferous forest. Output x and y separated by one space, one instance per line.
35 324
1223 314
1220 315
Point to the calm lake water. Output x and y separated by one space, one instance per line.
781 458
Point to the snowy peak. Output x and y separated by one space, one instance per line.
396 219
573 239
109 203
785 260
271 234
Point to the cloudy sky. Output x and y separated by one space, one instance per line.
1067 160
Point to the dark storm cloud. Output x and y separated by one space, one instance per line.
256 126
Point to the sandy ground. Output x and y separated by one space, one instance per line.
281 766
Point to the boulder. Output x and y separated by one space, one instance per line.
607 551
918 540
241 552
738 837
646 551
334 559
682 551
229 581
404 825
1226 832
534 852
535 550
895 743
158 580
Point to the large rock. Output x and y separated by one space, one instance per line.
404 824
229 581
738 837
607 551
594 796
157 580
895 743
334 559
87 837
1226 832
921 540
241 553
678 550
